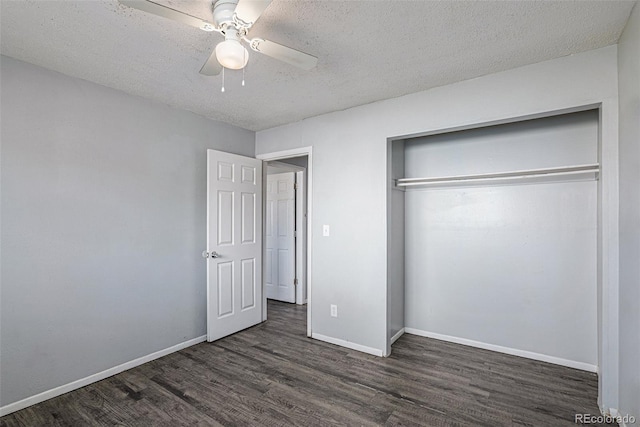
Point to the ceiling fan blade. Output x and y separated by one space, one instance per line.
212 67
284 53
250 10
167 12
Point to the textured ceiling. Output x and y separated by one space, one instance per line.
367 50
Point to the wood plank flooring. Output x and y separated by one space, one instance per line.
273 375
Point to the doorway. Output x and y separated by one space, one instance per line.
300 162
285 230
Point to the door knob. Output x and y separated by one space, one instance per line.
212 254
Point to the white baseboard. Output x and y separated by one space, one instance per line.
507 350
616 417
397 335
74 385
348 344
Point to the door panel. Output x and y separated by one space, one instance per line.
280 267
248 218
225 289
234 232
225 218
248 284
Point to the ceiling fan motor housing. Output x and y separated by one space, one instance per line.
223 11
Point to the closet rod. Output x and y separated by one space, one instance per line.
528 173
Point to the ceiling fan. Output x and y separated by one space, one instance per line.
233 19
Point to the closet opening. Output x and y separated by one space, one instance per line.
493 237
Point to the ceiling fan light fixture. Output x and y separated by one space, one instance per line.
231 54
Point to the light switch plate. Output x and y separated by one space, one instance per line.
325 230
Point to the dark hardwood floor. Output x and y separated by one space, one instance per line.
273 375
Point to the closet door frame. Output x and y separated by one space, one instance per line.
608 237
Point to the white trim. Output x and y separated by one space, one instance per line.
348 344
619 418
622 423
397 335
286 154
608 255
507 350
74 385
264 241
301 246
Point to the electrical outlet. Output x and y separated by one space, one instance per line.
325 230
334 310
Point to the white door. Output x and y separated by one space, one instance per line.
234 243
280 255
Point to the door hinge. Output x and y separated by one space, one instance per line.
295 185
295 281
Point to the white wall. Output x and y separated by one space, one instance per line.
350 183
103 222
629 81
511 264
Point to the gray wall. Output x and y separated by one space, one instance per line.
511 264
103 222
629 70
350 186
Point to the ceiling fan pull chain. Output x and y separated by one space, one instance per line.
222 90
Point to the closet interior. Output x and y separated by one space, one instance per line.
492 237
